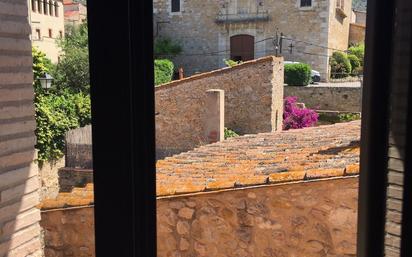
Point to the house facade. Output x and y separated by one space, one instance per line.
211 31
47 24
74 13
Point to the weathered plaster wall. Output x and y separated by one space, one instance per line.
305 219
328 98
356 33
339 25
253 103
19 181
69 232
196 29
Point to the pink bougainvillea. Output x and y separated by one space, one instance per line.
295 117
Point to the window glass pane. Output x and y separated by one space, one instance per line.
175 5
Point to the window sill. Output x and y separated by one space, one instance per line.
306 8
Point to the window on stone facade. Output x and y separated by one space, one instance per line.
51 8
305 3
50 33
38 34
39 6
340 4
175 5
56 9
33 5
45 7
61 34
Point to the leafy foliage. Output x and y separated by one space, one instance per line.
359 51
295 117
340 65
72 72
354 62
230 133
165 47
41 65
56 111
55 115
297 74
231 63
163 71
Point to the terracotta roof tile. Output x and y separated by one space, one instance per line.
302 154
266 158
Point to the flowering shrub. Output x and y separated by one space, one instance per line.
295 117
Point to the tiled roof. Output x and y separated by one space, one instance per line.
301 154
266 158
79 196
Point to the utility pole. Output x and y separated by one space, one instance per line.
280 43
276 43
291 46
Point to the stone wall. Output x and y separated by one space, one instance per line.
253 103
206 42
356 33
49 179
19 183
304 219
70 177
69 232
342 99
313 219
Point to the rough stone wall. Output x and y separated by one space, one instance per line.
195 27
69 232
328 98
313 219
253 103
69 178
19 183
304 219
49 179
356 33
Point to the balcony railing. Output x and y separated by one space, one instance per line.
242 17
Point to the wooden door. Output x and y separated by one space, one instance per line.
242 48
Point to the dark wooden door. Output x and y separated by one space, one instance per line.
242 48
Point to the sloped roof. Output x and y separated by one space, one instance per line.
301 154
260 159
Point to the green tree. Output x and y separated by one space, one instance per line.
41 65
166 48
340 65
72 72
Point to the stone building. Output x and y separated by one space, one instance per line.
357 27
75 13
211 31
47 24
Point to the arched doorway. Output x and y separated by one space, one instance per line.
242 48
